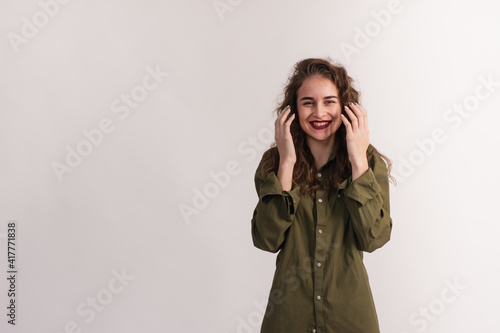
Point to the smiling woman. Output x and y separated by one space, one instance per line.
323 199
318 107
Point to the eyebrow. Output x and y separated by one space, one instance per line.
310 98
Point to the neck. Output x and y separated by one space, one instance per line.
321 150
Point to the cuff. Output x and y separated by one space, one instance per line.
363 188
272 186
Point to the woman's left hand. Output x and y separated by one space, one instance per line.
357 136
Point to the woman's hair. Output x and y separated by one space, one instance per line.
305 172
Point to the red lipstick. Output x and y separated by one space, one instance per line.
323 126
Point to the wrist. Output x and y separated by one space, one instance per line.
359 168
359 163
286 164
285 176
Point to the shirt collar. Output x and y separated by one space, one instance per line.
344 184
333 154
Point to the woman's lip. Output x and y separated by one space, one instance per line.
320 127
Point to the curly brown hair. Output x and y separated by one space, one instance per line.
305 172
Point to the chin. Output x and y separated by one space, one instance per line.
321 137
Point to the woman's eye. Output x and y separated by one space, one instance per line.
307 103
330 102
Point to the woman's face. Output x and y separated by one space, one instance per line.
319 108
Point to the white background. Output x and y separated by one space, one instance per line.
119 208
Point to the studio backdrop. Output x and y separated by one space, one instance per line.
130 132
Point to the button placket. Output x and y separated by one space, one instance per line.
321 213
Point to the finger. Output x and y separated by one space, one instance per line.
356 109
277 124
289 116
284 113
347 124
362 109
281 114
352 117
365 117
277 127
360 115
288 123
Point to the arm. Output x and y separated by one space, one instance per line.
367 199
275 211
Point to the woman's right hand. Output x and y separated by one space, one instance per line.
283 137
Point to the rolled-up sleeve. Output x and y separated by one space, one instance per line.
367 199
274 213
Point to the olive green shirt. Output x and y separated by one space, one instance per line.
320 284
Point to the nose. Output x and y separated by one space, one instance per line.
319 110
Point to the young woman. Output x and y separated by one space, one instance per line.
323 199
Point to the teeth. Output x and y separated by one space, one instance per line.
320 123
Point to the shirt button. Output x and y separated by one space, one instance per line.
318 297
338 195
320 200
319 174
318 264
320 231
314 330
